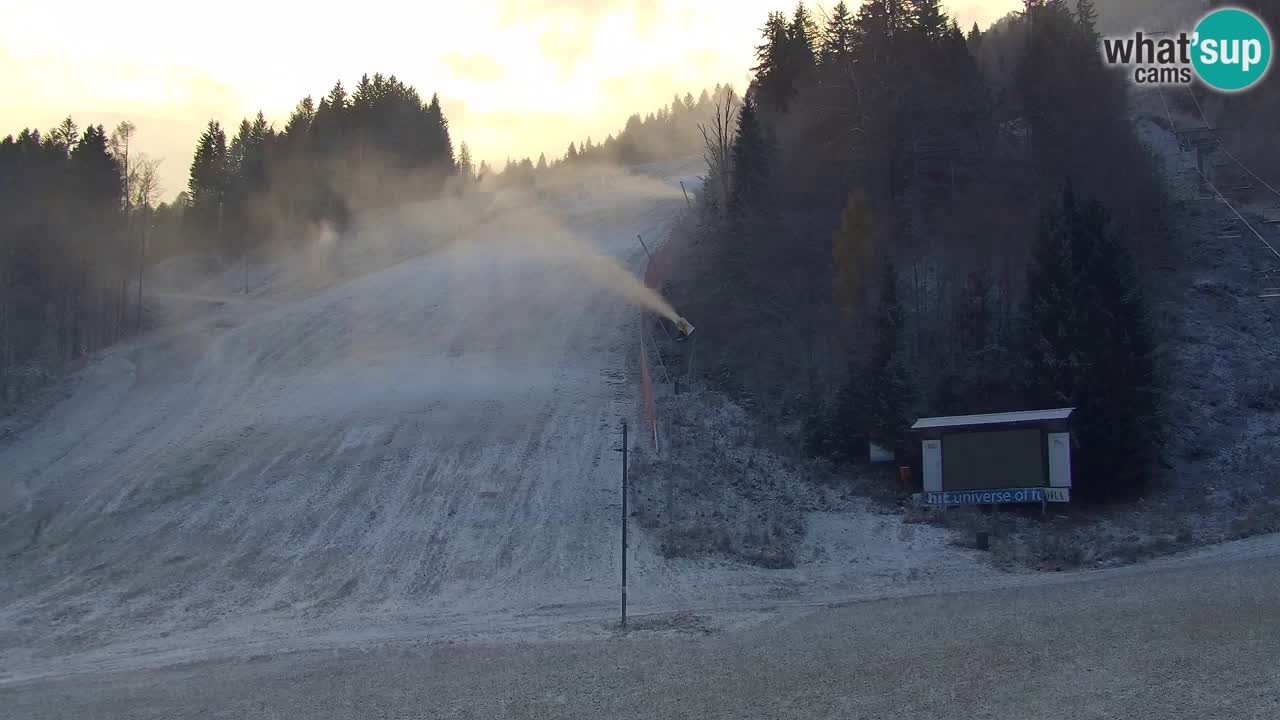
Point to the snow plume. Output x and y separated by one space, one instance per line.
557 223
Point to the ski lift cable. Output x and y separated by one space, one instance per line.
1223 146
1238 215
1172 127
1254 175
1199 109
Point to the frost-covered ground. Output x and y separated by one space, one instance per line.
1220 347
418 446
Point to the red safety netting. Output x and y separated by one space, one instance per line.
653 274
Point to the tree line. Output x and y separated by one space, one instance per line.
668 133
912 220
74 206
80 220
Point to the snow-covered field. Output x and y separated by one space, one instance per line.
422 451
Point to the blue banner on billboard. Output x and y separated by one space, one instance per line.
980 497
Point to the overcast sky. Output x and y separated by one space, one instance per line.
516 77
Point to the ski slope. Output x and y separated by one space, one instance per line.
422 450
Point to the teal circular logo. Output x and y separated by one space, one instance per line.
1231 49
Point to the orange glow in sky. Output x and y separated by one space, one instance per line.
515 77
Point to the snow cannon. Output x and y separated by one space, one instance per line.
683 329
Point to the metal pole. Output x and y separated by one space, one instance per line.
624 523
686 194
142 266
646 249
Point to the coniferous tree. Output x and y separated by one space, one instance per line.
890 394
66 135
1087 16
801 51
209 178
974 38
301 118
466 166
772 73
839 42
1088 345
927 18
749 179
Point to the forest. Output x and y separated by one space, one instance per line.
907 219
81 219
900 217
912 220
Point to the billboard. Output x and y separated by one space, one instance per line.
994 460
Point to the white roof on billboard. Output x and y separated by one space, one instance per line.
1022 416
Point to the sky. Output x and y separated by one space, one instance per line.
515 77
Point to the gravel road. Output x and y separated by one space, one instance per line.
1198 641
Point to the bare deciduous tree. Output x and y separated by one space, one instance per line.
717 141
144 182
120 139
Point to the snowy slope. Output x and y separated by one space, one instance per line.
423 450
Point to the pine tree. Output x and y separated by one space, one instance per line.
839 41
801 36
890 395
300 120
466 167
209 170
877 26
750 165
337 97
542 162
772 71
1088 345
572 153
96 171
66 135
442 145
974 39
1087 16
927 18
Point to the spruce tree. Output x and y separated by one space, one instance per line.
300 120
466 167
1088 345
839 41
749 178
889 394
208 181
1087 17
927 18
801 37
974 39
773 71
